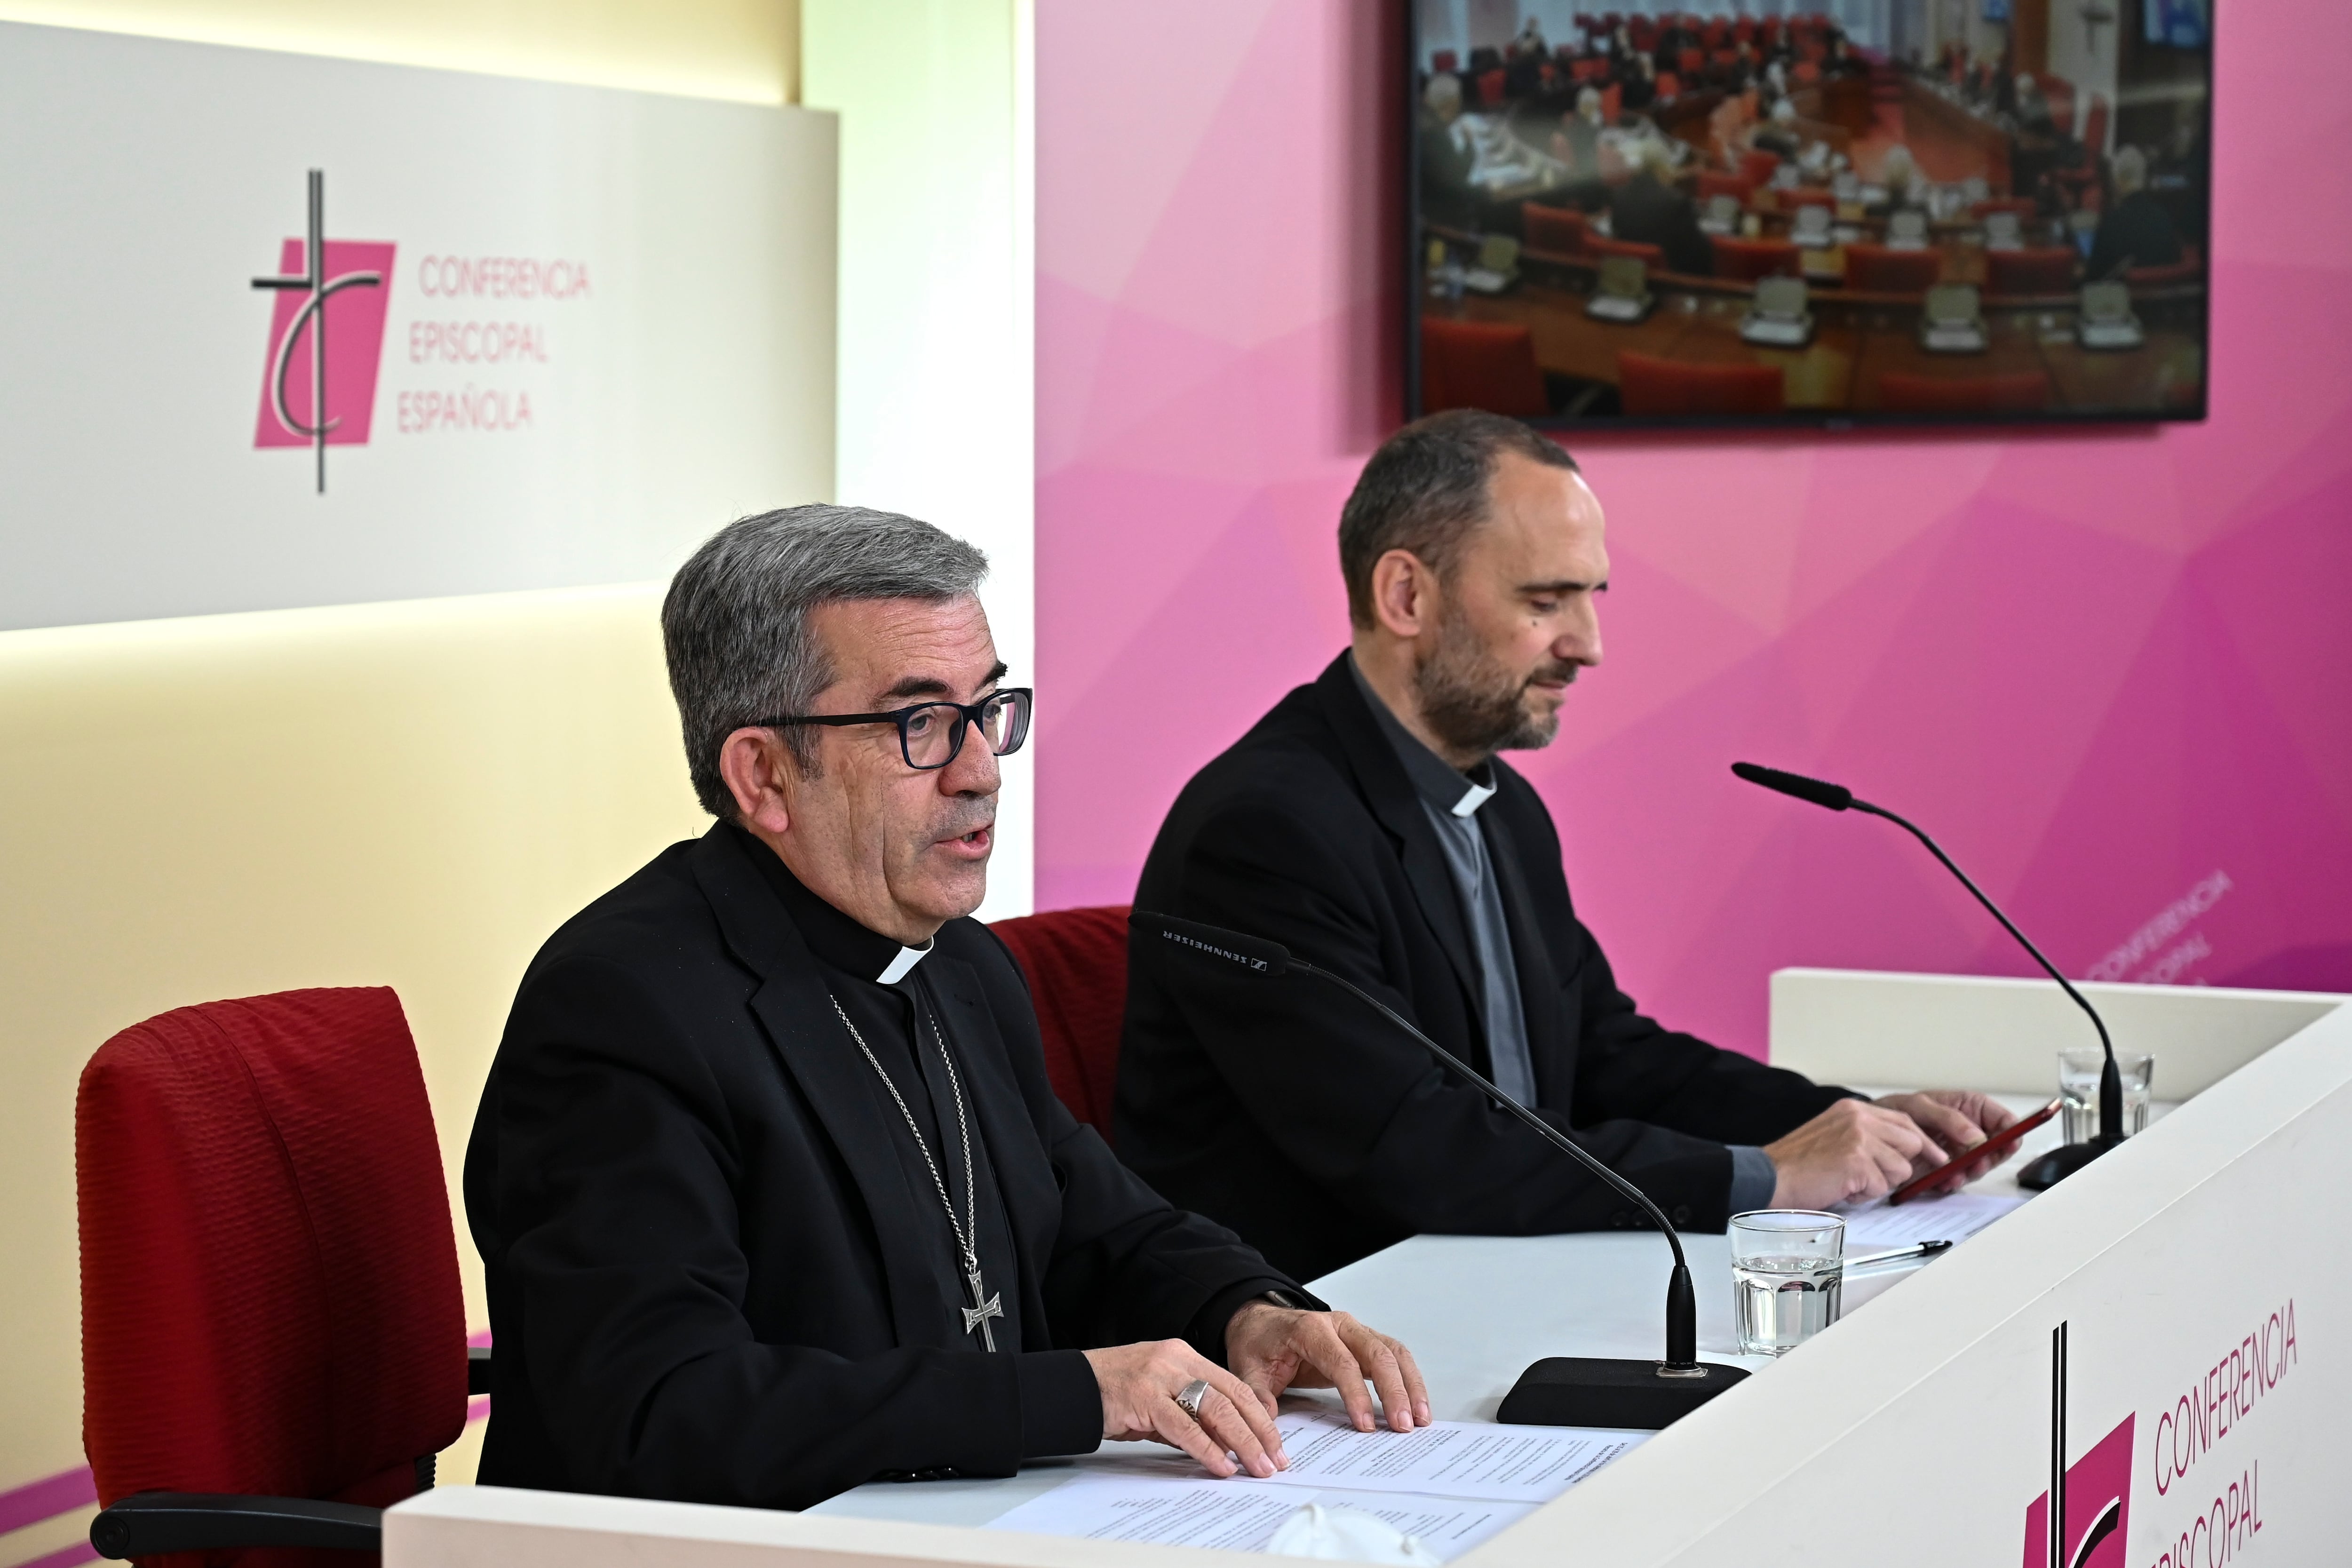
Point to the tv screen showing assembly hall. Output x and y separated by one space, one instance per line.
1887 211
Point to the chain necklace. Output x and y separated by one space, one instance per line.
967 1236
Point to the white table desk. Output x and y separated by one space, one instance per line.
2195 1268
1476 1311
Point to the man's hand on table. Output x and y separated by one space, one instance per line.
1140 1384
1858 1150
1273 1348
1270 1349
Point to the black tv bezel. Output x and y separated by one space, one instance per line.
1416 291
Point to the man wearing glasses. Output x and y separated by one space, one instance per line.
772 1192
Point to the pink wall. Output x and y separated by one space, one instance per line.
2100 667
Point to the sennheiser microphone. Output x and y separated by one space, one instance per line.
2067 1159
1558 1390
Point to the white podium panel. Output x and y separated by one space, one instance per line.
2201 1298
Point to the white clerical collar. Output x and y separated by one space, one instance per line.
904 964
1474 796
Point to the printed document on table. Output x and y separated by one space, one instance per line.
1447 1459
1877 1228
1240 1515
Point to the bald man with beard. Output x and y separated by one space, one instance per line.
1369 824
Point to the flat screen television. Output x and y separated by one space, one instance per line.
1905 212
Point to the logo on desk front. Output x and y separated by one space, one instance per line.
326 338
2093 1511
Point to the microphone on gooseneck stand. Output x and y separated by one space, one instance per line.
2067 1159
1557 1391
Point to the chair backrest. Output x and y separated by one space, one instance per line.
1490 88
1444 61
1480 365
1669 85
269 1280
1758 166
1647 385
1746 260
1713 182
1878 270
2020 392
1557 230
2095 126
1076 963
2043 271
1649 256
2059 94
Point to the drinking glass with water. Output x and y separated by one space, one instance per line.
1788 1267
2078 1090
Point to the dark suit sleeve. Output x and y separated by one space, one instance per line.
1363 1110
610 1209
1126 1266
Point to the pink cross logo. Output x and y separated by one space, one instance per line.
330 292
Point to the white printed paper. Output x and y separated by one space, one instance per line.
1876 1227
1450 1485
1447 1459
1240 1515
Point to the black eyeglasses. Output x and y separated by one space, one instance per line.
931 733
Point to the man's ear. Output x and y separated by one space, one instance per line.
761 776
1404 594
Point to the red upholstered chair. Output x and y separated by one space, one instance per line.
1648 386
1480 365
1613 104
1649 256
2044 271
1745 260
1669 85
1690 62
273 1341
1713 182
1805 73
1443 62
1490 88
1556 231
1076 963
1756 168
1877 269
2022 393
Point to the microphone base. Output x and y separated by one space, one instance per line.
2047 1171
1576 1391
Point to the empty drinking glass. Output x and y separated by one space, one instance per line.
1787 1268
2078 1090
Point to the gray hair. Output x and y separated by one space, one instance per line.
735 621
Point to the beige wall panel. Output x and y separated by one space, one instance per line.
406 794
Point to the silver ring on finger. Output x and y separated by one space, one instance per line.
1188 1397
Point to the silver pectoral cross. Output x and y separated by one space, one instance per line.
988 1307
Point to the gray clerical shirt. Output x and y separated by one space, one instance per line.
1451 799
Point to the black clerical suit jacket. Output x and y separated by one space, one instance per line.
712 1276
1295 1115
